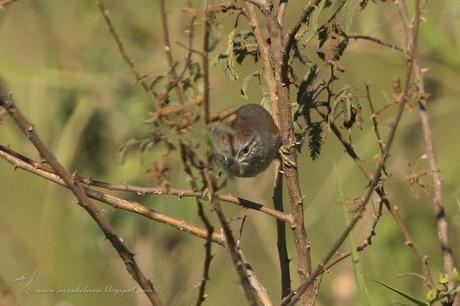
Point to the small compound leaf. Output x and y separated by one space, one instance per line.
126 148
315 139
244 44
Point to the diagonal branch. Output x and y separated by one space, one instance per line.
411 50
376 41
383 197
120 45
142 190
290 36
19 161
77 189
447 254
254 291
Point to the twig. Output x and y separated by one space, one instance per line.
277 192
282 12
77 189
112 200
188 48
292 299
187 165
383 198
205 61
168 51
439 211
281 233
253 290
120 45
374 120
375 40
290 39
368 241
142 190
208 255
279 56
265 59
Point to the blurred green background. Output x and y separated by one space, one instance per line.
68 78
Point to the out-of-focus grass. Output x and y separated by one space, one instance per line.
70 81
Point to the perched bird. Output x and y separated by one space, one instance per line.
246 144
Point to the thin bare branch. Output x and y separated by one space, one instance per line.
121 48
383 199
281 233
77 189
113 201
254 291
374 120
376 41
208 254
205 61
438 205
168 51
290 38
265 59
293 298
142 190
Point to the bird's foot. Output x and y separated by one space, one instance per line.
286 160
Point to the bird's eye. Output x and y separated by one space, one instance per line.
245 150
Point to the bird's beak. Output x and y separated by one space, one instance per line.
228 162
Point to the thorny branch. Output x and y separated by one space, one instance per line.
411 48
253 289
120 45
278 181
376 41
21 162
447 254
77 189
379 190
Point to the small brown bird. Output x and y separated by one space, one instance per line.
248 142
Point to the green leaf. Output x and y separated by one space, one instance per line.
403 294
244 44
126 147
455 275
431 295
315 139
443 279
246 81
